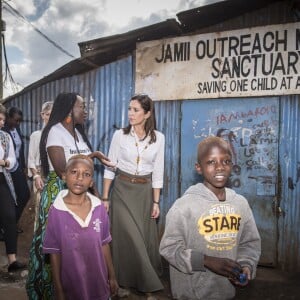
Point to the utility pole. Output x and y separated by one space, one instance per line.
1 75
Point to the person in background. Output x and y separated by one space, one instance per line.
14 117
8 200
138 152
62 137
77 238
210 239
34 162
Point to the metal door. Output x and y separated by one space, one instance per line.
251 127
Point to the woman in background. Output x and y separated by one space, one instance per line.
8 197
34 162
14 117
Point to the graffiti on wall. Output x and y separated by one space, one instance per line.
253 138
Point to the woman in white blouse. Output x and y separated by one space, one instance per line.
8 224
138 152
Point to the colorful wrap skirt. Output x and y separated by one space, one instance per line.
39 282
135 243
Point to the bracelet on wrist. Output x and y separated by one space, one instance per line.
155 202
105 199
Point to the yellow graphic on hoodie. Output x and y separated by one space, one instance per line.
219 226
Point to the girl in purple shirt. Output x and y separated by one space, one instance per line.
77 238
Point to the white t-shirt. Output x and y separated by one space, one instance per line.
11 154
61 137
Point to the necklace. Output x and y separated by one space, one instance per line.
139 152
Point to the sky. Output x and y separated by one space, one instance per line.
31 56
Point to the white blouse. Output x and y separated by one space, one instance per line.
60 136
11 154
34 151
137 157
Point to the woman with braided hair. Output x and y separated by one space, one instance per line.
61 138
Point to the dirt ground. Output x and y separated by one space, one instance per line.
12 286
270 284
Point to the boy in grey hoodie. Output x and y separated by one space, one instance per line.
210 237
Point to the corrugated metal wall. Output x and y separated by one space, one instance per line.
108 89
108 106
108 111
289 153
277 13
168 116
31 102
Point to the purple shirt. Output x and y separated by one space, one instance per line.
84 273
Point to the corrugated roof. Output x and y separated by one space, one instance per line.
212 14
124 43
98 52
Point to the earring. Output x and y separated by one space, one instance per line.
68 119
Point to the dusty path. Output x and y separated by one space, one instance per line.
12 286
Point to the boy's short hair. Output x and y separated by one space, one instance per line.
210 142
80 156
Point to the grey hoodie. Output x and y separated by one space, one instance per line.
199 224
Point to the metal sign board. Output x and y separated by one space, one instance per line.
255 61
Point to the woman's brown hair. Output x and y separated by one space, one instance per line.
150 125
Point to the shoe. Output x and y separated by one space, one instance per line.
16 266
123 293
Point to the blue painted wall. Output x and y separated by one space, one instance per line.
107 91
